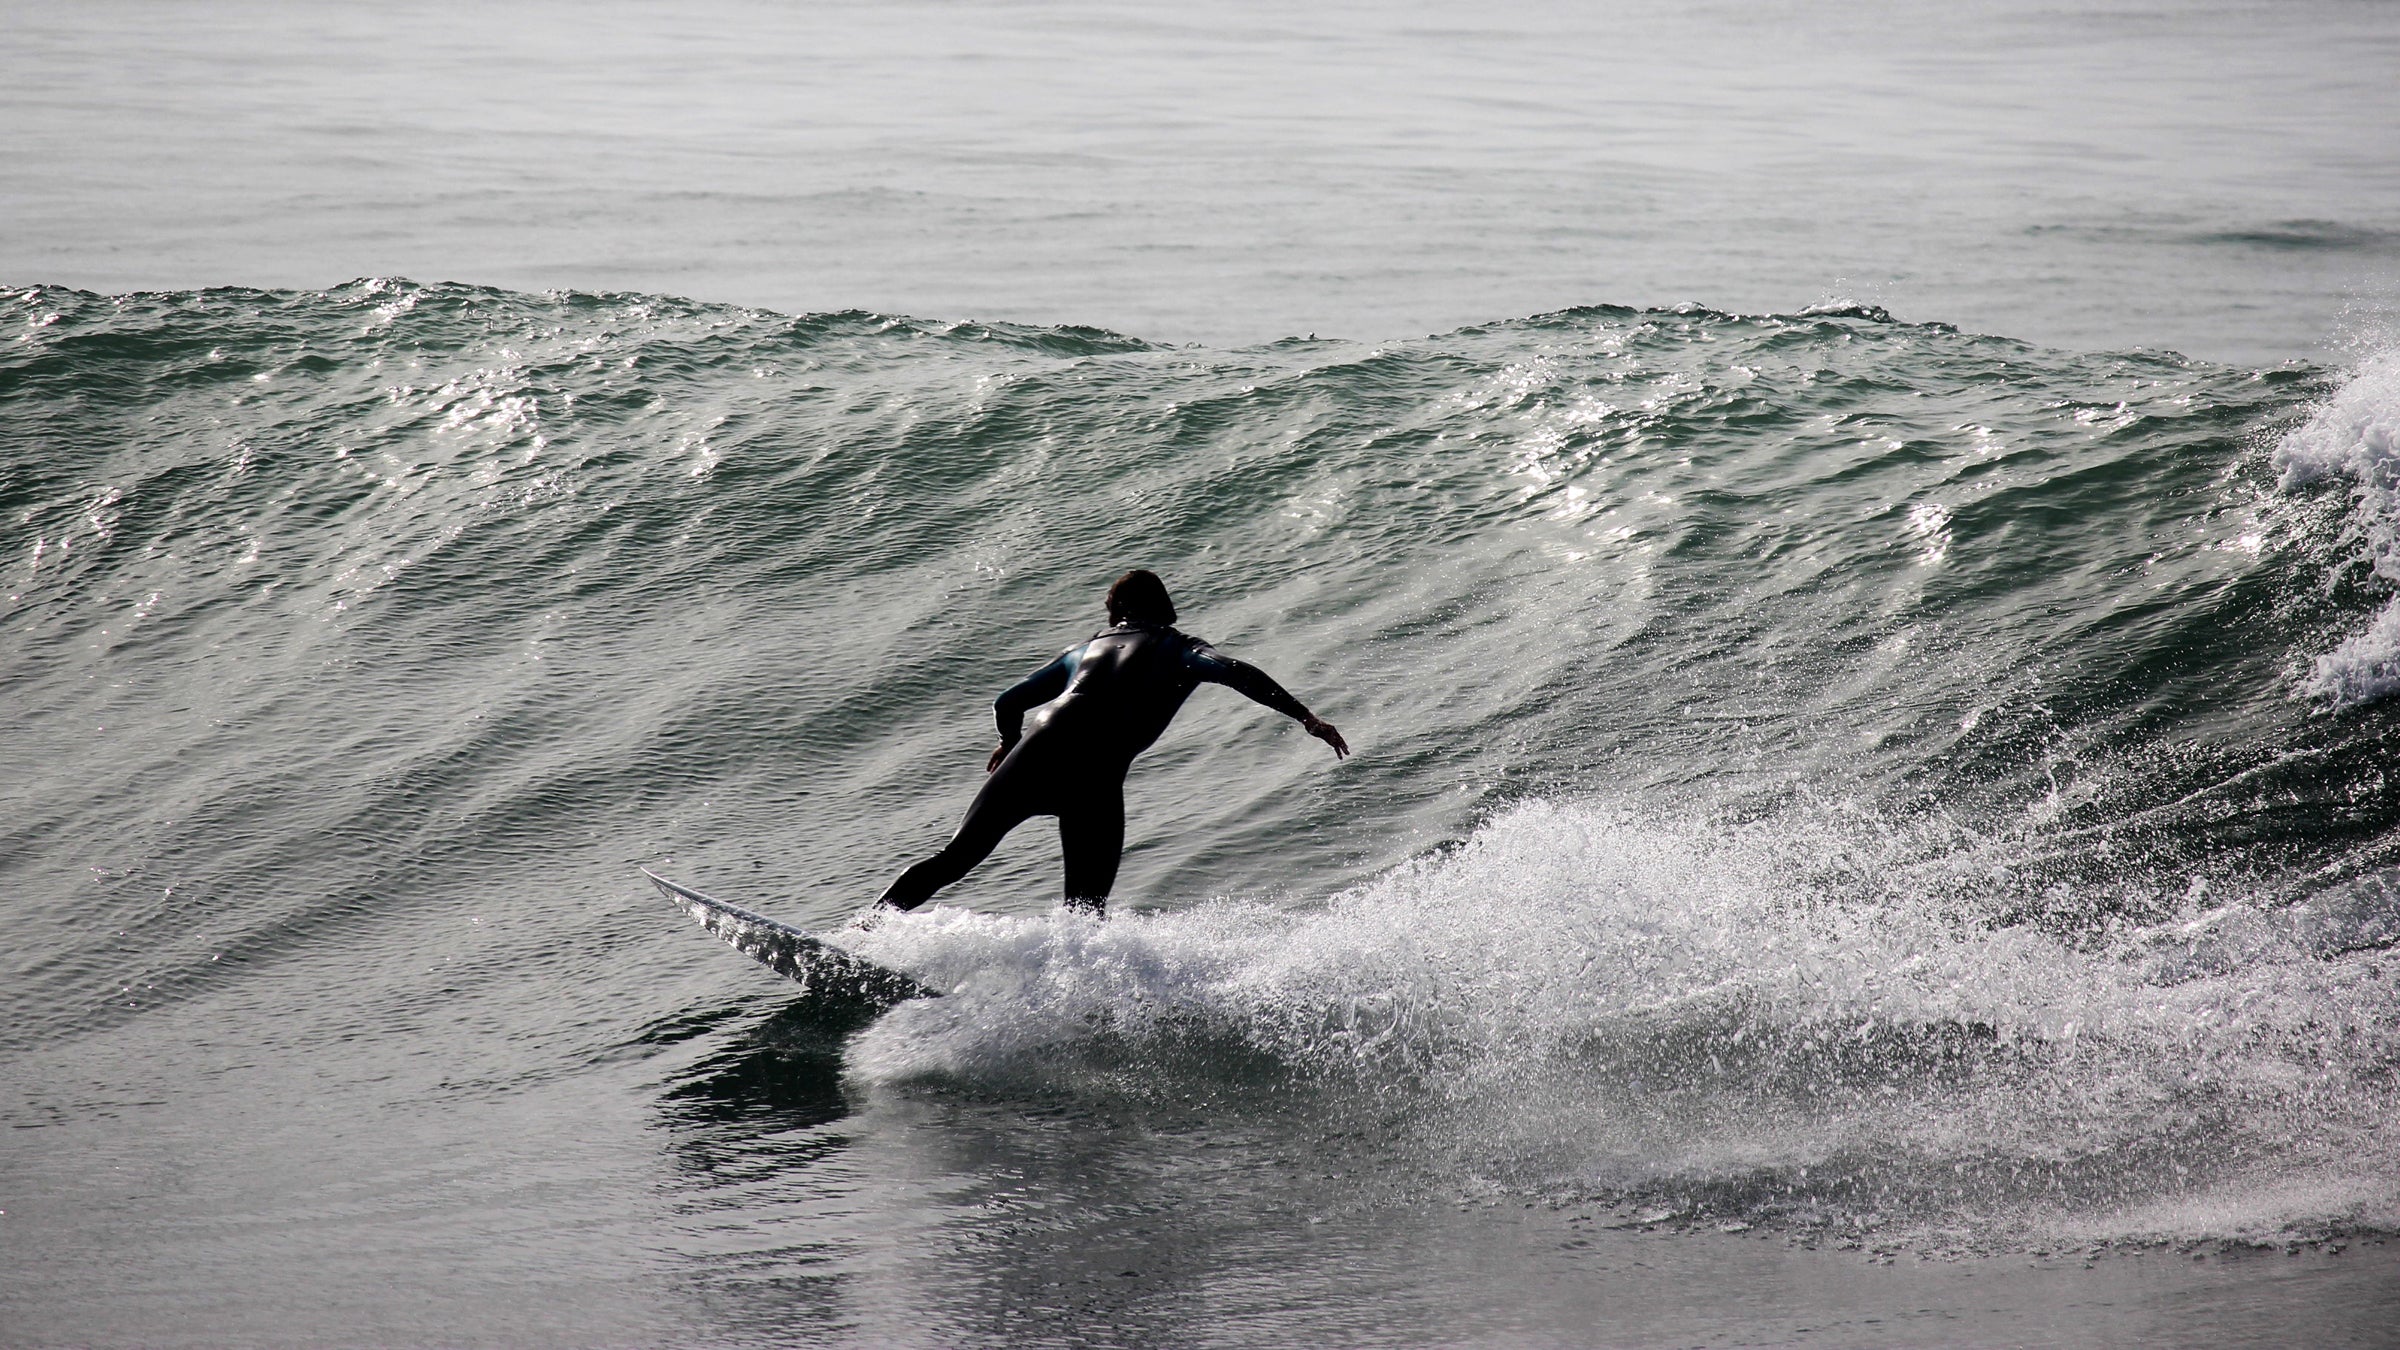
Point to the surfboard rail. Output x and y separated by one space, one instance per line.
816 965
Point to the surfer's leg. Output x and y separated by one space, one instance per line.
1092 835
1002 806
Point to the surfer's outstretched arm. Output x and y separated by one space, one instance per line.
1215 667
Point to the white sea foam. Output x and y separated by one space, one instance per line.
1772 1023
2356 435
2365 666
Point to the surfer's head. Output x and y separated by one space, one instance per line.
1140 597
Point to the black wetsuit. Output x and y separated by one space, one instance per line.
1110 698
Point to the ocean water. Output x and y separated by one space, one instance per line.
2208 176
1871 822
1819 776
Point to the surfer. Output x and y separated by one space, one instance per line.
1109 697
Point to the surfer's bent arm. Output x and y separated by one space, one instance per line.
1258 686
1036 689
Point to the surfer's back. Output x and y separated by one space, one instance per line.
1129 681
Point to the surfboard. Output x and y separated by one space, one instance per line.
818 966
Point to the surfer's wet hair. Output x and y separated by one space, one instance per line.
1140 597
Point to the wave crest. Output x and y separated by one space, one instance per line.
2355 435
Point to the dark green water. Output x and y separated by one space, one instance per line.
1822 776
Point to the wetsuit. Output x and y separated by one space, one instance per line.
1109 699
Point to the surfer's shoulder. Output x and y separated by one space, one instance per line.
1198 655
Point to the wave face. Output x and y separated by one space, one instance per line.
1816 770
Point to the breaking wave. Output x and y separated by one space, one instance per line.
1776 1024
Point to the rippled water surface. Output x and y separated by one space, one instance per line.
1864 832
1821 777
2213 177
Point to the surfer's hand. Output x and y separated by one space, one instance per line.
1324 731
999 752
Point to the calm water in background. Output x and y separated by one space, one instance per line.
1833 789
2213 178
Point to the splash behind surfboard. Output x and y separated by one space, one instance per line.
818 966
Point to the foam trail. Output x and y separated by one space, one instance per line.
1710 1022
